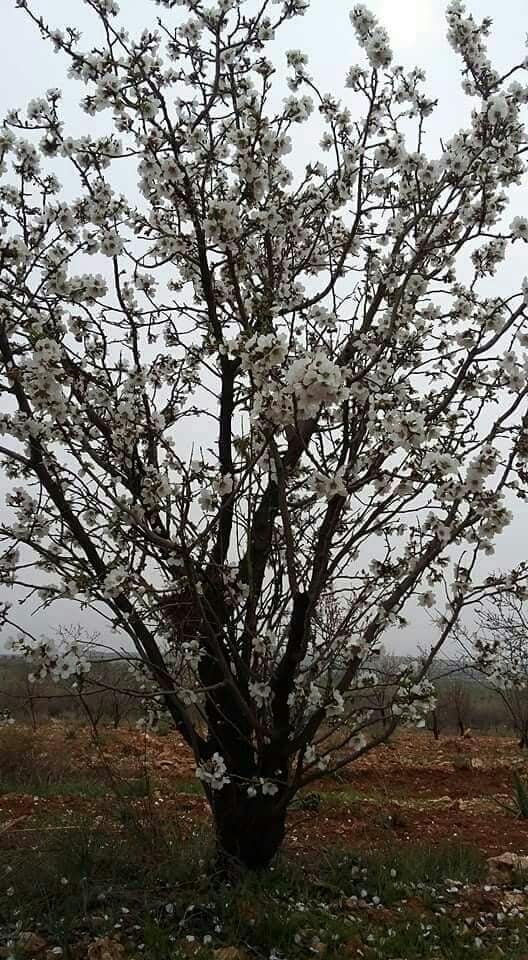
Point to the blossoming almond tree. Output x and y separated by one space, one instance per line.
254 413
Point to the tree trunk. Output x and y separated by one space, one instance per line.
249 830
32 713
436 727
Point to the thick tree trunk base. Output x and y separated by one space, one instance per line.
249 831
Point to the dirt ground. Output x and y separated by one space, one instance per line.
414 788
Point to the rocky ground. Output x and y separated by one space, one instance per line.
448 789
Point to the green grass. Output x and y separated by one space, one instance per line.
161 891
342 798
427 865
48 783
193 787
73 787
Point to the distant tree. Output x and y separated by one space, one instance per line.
457 698
386 671
30 701
499 643
274 382
451 697
433 722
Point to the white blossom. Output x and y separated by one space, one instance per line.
519 228
213 772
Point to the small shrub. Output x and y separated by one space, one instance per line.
307 801
519 805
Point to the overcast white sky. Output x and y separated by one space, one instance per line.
28 66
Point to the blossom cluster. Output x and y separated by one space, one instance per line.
213 772
55 657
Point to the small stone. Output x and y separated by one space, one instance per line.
105 949
319 947
514 901
502 869
31 944
229 953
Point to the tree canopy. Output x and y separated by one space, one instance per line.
251 414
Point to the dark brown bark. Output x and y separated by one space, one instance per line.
249 830
435 725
